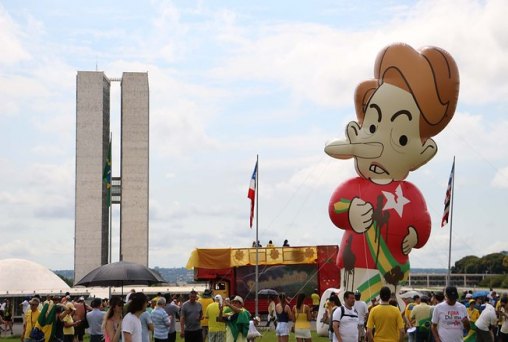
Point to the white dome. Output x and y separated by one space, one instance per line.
19 276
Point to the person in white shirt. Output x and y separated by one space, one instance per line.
485 323
362 309
449 318
131 324
345 320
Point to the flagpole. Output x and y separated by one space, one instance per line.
452 200
110 256
257 244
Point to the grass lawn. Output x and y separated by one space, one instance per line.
267 336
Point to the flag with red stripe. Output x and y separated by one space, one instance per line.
252 192
448 197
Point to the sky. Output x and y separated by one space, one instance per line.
230 80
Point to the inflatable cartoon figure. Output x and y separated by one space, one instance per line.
412 98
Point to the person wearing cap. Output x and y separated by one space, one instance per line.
31 317
80 315
190 319
68 322
132 328
421 316
449 318
216 327
362 310
237 320
173 312
473 313
486 323
205 300
95 319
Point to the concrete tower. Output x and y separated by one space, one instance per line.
91 244
134 203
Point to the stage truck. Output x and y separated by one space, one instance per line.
231 271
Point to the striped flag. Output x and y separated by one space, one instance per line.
448 197
252 192
106 176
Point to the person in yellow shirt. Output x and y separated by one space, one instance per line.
385 320
473 313
205 300
421 316
31 317
216 327
68 322
315 303
407 316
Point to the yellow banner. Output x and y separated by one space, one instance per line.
218 258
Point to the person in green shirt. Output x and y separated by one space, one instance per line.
237 320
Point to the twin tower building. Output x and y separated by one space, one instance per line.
130 189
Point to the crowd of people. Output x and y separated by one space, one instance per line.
138 319
441 316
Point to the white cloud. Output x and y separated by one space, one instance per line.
11 41
223 88
501 178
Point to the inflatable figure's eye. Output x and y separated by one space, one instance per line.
403 140
372 129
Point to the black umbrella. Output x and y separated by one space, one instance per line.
268 292
119 274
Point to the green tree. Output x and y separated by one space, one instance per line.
67 280
492 263
468 264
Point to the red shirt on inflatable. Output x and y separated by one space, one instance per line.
397 206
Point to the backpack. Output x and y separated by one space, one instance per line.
343 313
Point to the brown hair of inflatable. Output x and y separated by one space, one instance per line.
429 74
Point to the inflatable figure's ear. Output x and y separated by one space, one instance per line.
427 152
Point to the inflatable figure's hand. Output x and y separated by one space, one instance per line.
409 241
360 215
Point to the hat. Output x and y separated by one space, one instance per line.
218 298
237 299
81 298
207 293
451 293
34 301
472 301
469 296
70 306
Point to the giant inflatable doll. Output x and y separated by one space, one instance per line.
411 99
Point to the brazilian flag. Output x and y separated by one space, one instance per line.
106 176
